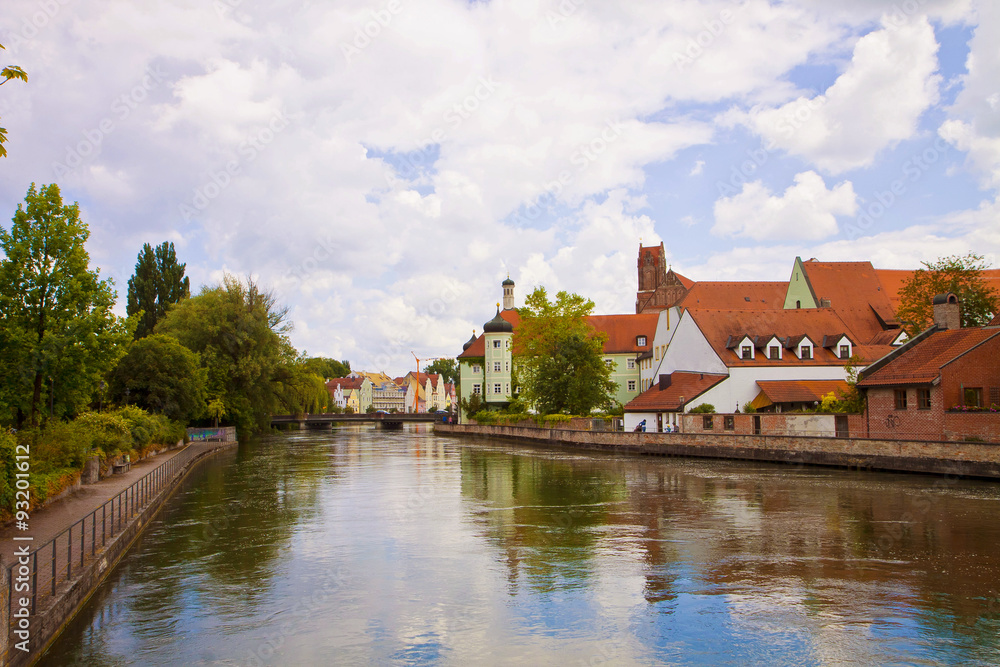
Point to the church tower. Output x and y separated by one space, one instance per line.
659 288
508 294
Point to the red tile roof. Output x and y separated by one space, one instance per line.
855 293
921 361
735 295
995 322
719 325
346 383
622 331
682 385
797 391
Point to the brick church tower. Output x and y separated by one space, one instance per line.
659 288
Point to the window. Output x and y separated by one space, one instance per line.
807 352
630 364
631 385
773 352
706 423
994 396
974 397
475 369
746 352
729 423
507 388
496 388
640 341
923 399
656 352
845 351
798 304
609 363
496 366
506 366
900 396
496 344
477 389
506 344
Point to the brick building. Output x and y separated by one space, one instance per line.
938 386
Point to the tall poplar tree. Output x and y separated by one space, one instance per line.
158 283
58 333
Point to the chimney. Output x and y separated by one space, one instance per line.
664 382
824 303
947 312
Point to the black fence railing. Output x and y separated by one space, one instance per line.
55 562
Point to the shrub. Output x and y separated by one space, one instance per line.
8 466
556 418
485 417
704 408
110 431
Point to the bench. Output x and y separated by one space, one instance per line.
119 468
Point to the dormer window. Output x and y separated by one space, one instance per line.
746 352
774 352
640 341
845 351
806 352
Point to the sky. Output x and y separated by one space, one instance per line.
383 165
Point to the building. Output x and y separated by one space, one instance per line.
941 385
356 392
389 396
726 358
486 361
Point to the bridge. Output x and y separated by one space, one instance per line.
388 420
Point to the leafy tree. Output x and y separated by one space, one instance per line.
158 283
240 332
704 408
559 356
326 367
300 391
961 275
447 368
7 73
59 336
162 376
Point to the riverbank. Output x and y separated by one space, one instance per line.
940 458
94 552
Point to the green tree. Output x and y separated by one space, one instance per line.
326 367
162 376
962 275
7 73
240 332
158 283
559 356
447 368
299 390
59 336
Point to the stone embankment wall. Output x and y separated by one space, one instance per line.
946 458
70 598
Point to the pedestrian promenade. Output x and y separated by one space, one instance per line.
47 522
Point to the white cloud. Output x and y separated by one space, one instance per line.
698 167
875 103
807 210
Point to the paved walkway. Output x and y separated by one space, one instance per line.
47 522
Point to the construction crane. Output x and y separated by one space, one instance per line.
416 394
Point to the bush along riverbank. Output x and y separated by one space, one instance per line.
50 459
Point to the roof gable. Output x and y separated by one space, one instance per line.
920 360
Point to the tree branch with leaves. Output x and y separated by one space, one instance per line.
9 73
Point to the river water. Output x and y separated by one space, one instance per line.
403 548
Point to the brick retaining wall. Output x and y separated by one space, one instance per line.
946 458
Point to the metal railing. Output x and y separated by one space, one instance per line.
55 562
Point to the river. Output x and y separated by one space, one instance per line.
360 546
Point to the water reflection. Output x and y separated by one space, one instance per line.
363 547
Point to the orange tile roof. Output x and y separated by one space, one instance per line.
687 282
893 280
921 361
735 295
855 293
798 391
682 385
346 383
622 331
719 325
